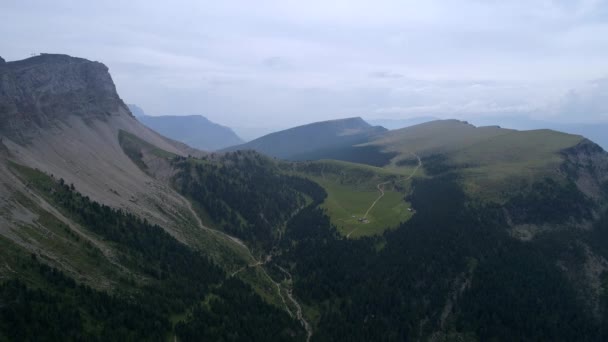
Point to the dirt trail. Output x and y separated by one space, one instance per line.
380 188
257 263
220 233
299 314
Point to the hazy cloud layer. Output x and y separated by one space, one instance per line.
279 63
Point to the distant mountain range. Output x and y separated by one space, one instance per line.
194 130
313 141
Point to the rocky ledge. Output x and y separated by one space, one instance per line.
38 90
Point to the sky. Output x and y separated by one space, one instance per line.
264 65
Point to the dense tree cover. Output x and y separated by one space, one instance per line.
63 310
183 274
452 268
243 192
181 278
316 193
520 293
234 313
548 201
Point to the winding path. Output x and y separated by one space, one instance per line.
257 263
380 188
299 314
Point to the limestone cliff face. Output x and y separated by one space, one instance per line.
39 90
62 115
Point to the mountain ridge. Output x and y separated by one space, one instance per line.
67 122
194 130
111 231
298 141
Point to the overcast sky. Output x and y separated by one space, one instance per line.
281 63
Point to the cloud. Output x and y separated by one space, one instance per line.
385 74
587 103
287 62
275 62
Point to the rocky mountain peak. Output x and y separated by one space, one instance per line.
2 61
36 91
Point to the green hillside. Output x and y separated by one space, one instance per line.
490 159
438 232
435 137
151 276
354 203
524 156
313 140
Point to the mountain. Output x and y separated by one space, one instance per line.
441 231
95 212
313 141
62 115
194 130
593 131
136 110
490 159
401 123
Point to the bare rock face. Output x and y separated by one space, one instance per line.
39 90
587 164
2 61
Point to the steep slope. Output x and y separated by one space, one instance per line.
313 141
529 262
194 130
100 231
89 218
136 110
62 115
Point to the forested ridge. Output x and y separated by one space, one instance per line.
452 272
243 193
504 237
180 280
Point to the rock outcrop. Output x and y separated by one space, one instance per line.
62 115
587 164
37 91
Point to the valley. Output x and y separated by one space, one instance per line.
353 189
441 231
